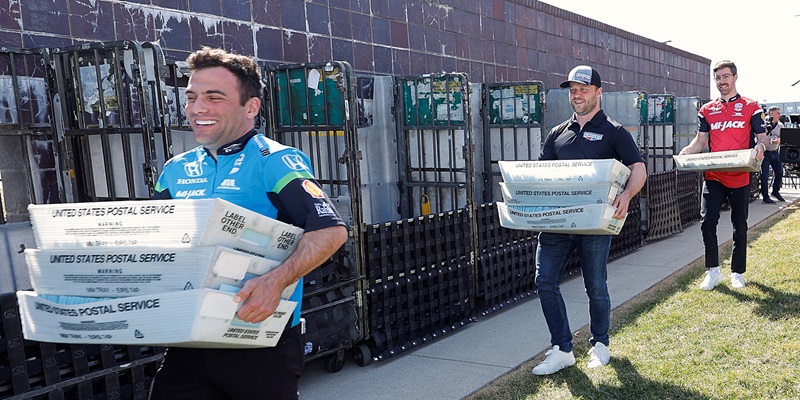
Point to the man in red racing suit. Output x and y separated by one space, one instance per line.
727 123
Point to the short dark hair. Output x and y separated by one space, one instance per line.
725 64
245 68
773 108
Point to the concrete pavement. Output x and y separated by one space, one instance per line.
464 361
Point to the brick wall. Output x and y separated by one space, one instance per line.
491 40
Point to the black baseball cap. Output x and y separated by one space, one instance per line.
582 74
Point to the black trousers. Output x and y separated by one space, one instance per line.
714 195
232 374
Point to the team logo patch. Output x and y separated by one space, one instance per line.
311 188
325 210
294 162
193 169
738 107
592 137
237 164
231 149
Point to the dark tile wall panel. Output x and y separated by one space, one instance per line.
10 17
45 16
238 37
236 9
133 24
490 40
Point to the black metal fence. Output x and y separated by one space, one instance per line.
396 284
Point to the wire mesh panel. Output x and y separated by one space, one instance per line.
690 184
661 133
434 144
663 212
313 107
631 237
506 262
421 281
109 98
512 124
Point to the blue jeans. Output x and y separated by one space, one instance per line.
771 159
552 254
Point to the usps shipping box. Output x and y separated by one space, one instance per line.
730 161
129 271
565 171
164 223
591 219
558 194
190 318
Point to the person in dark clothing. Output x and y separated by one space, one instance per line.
589 134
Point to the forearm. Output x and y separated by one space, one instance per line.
697 144
632 187
636 180
762 139
313 249
261 295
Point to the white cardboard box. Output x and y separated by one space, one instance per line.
730 161
565 171
164 223
558 194
129 271
190 318
592 219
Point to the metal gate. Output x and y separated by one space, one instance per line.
112 132
434 144
27 166
661 130
686 109
313 107
512 128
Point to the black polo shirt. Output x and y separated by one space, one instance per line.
600 138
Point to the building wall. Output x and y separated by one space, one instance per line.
491 40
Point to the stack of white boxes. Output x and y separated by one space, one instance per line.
160 272
564 196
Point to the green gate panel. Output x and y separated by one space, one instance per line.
662 109
516 104
643 107
434 101
307 95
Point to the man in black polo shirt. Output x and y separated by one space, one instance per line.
589 134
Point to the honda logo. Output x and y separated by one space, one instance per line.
295 162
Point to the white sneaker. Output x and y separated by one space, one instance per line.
599 355
737 280
555 361
713 277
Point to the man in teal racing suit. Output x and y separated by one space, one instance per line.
237 164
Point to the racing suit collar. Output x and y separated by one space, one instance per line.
236 145
732 99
